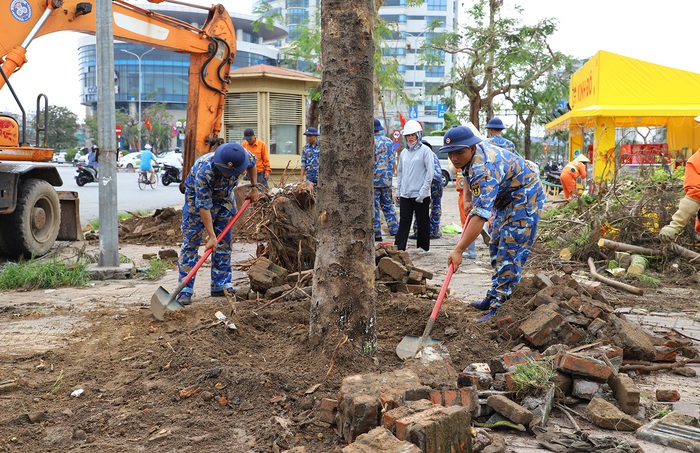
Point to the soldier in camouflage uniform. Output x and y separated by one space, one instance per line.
309 156
502 183
209 205
494 129
384 164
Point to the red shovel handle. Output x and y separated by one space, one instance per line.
448 277
221 235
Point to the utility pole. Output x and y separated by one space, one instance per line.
138 57
106 126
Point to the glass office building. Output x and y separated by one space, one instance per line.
164 74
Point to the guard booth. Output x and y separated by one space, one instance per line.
273 102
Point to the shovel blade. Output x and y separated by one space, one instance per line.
410 346
162 302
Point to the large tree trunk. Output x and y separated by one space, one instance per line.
344 296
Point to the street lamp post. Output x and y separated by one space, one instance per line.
415 57
138 57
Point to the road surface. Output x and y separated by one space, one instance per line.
129 196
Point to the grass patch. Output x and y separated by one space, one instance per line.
648 281
534 377
156 268
35 274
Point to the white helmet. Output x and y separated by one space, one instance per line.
412 127
148 146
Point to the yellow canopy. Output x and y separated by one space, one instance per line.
612 91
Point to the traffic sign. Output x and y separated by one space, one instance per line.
118 130
413 111
441 109
397 146
396 134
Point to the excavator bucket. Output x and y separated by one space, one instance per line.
70 229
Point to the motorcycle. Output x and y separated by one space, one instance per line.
85 174
170 174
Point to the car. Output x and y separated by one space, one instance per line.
129 161
59 157
172 158
436 141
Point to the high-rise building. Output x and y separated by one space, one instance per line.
159 76
421 82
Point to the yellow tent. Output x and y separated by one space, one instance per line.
612 91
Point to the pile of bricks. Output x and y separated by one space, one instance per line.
396 271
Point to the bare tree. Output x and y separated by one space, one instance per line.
344 297
499 54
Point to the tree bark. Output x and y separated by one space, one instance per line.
343 301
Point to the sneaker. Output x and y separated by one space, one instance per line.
469 255
487 316
184 299
484 304
423 251
413 236
229 290
435 236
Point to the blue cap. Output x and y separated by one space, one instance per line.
311 131
457 138
495 123
231 159
378 125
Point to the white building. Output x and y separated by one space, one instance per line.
420 81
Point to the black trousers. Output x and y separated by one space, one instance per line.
409 206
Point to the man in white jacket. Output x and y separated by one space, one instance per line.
414 177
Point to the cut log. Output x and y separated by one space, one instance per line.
684 252
613 283
638 265
621 246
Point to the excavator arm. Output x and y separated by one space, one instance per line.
212 50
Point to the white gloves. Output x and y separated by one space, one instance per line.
687 209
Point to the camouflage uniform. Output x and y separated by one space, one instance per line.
205 188
503 142
436 190
309 161
504 184
384 163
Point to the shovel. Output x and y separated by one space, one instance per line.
410 345
162 301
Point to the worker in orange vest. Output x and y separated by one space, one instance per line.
689 205
571 172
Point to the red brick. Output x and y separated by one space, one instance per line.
469 398
389 418
510 385
666 395
568 334
583 366
506 361
665 354
436 397
539 326
590 311
451 398
504 322
442 429
467 380
379 440
327 410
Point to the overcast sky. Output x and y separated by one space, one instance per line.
658 32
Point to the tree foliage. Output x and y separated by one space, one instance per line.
494 55
61 128
161 133
538 103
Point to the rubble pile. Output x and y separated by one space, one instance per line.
573 352
396 271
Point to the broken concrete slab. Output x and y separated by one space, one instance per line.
674 430
606 415
380 440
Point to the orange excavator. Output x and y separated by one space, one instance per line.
33 215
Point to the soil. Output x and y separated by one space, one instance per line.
191 384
